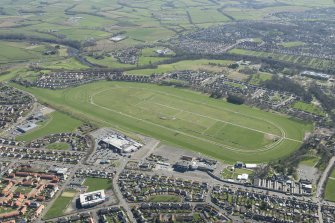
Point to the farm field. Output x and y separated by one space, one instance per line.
58 122
12 52
183 118
141 21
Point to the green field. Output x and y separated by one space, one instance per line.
232 174
67 64
60 204
164 198
23 189
15 52
94 184
183 118
4 210
202 64
330 188
57 123
58 146
311 108
292 44
256 79
310 161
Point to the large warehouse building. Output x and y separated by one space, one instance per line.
120 144
92 198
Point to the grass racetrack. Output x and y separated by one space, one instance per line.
183 118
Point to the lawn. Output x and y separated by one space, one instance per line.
232 174
60 204
183 118
258 78
164 198
330 190
94 184
310 161
292 44
57 122
58 146
6 209
23 189
307 107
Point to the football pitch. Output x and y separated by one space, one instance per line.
183 118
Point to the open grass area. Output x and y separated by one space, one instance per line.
183 118
307 107
227 173
23 189
19 52
57 122
58 146
256 79
203 64
164 198
310 161
60 204
94 184
330 190
292 44
4 210
67 64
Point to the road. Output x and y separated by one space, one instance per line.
321 185
118 192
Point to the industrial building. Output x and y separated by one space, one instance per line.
315 75
26 127
120 144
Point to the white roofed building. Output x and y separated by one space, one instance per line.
92 198
120 144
